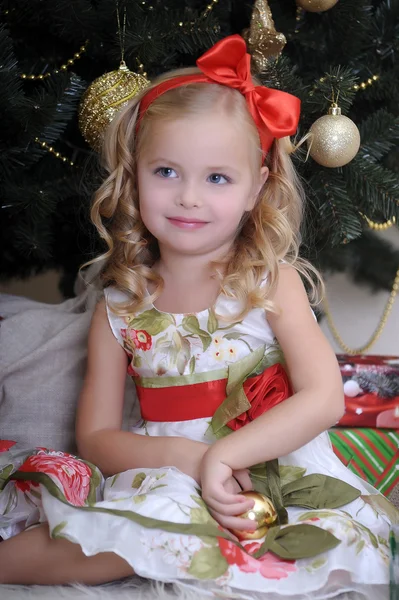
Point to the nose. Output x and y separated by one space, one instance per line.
188 196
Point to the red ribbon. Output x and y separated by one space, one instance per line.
200 400
181 402
276 113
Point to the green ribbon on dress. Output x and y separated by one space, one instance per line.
289 542
236 402
275 491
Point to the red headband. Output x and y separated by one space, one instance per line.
276 113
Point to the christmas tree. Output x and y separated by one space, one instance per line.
336 51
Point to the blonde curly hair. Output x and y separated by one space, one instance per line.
269 234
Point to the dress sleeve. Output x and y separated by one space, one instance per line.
117 323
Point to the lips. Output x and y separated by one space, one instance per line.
187 223
185 220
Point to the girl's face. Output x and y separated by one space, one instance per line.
196 179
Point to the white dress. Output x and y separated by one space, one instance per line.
180 363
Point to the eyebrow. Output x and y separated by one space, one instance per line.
211 169
167 161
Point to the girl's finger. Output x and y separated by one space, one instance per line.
243 478
219 494
234 522
229 509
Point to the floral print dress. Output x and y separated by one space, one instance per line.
185 368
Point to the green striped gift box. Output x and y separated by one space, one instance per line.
373 454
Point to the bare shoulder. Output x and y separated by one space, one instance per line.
290 291
100 330
291 302
310 358
100 317
103 348
101 400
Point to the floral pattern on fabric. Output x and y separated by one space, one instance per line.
178 342
269 565
72 475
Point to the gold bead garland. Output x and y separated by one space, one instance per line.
63 68
299 16
379 329
365 84
379 226
54 152
356 87
209 8
203 15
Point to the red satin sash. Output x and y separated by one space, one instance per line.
200 400
181 402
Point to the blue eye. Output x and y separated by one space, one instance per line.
218 179
166 172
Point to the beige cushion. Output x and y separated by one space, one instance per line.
42 366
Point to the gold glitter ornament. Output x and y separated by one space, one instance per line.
334 139
263 513
104 98
316 5
263 41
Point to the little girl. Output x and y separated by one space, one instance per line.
205 309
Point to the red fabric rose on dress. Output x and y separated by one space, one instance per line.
269 565
6 445
72 474
263 392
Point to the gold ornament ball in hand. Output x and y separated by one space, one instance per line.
263 513
316 5
103 99
334 139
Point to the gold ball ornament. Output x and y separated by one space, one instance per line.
263 513
316 5
334 139
104 98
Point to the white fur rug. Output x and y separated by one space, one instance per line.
131 589
138 589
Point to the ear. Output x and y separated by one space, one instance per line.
263 175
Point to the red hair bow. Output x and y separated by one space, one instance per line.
276 113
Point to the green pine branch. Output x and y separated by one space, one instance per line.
374 189
159 37
368 260
336 86
379 134
339 219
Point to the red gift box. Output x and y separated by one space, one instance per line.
371 386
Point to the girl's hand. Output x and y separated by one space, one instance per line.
220 487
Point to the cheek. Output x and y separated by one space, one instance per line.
148 194
149 210
231 206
